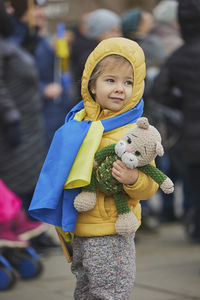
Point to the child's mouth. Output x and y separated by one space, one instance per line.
116 99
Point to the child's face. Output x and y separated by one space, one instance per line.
113 88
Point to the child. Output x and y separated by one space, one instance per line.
112 87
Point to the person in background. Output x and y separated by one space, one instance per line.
22 146
80 49
177 86
31 33
103 24
166 25
94 27
21 133
167 28
137 25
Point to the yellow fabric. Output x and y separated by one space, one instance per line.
80 174
101 219
80 115
65 234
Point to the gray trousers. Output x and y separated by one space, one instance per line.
104 267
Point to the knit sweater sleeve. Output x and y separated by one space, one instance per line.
104 152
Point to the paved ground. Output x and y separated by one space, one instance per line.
168 268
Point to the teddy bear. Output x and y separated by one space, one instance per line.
137 148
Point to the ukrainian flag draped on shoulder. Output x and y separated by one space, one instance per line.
68 165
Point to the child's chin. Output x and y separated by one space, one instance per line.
116 107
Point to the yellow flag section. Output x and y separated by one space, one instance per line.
80 174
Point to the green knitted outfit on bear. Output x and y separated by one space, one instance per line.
102 178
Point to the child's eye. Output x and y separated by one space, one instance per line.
110 80
128 82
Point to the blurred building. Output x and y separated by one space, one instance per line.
69 11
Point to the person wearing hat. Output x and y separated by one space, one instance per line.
181 74
137 25
102 24
166 26
98 25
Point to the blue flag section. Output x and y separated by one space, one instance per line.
52 203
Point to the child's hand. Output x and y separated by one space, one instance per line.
123 174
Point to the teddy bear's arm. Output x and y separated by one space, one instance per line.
101 154
157 175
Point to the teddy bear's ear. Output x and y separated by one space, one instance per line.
143 123
159 149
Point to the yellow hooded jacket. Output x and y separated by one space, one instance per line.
101 219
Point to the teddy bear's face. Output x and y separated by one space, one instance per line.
139 146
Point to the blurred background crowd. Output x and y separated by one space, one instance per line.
43 48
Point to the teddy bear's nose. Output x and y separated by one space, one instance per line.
128 149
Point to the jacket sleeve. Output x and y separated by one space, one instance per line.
143 189
8 110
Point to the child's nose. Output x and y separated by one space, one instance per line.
119 87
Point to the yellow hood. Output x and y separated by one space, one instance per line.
134 54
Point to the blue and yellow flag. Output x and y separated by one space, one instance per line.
68 165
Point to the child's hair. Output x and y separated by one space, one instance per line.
99 68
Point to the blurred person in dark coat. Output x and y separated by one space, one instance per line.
167 29
29 21
21 131
180 77
137 25
80 49
94 27
22 147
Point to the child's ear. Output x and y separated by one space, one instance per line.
93 90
